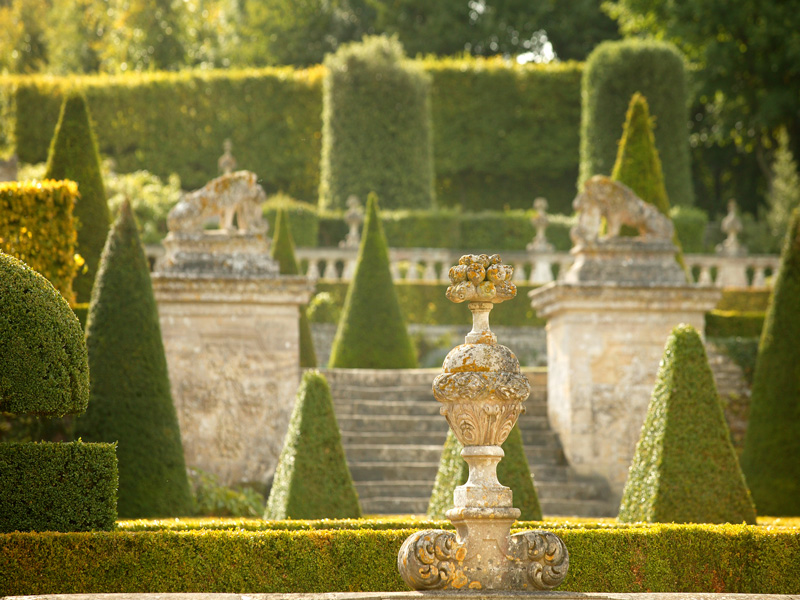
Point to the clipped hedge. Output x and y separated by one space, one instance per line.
658 558
37 227
58 486
729 323
503 133
614 71
45 368
73 155
376 121
312 479
303 219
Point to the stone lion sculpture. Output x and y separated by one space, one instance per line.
231 194
603 198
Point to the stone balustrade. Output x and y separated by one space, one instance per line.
432 264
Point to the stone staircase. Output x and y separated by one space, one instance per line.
393 436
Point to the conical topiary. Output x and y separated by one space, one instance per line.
130 399
638 165
73 155
312 480
283 252
772 442
372 333
513 472
685 469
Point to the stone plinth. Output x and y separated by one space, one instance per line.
230 329
604 345
626 260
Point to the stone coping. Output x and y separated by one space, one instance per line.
453 595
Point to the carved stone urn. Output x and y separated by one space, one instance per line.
482 390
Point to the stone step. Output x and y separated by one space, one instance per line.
360 406
379 453
410 489
424 438
398 471
394 505
390 423
580 508
550 491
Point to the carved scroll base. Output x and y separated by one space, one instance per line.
442 560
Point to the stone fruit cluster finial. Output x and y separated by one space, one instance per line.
481 278
482 390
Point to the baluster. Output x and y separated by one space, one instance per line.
313 270
411 274
429 273
705 275
759 276
349 269
394 267
330 271
542 271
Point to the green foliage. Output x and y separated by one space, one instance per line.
45 369
37 227
57 487
512 471
376 135
131 403
744 300
685 469
690 227
784 194
505 133
729 323
742 350
654 558
283 252
211 498
771 444
73 155
323 308
372 333
614 72
525 146
303 218
312 480
150 197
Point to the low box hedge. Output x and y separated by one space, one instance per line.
57 487
729 324
611 559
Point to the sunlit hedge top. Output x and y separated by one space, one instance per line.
45 368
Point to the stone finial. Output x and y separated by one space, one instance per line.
482 390
354 217
226 163
731 226
540 222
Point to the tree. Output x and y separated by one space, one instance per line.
743 96
784 195
771 443
73 155
23 47
512 471
685 469
312 480
130 399
372 332
283 252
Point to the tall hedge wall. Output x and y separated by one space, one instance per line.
614 72
520 121
37 227
376 135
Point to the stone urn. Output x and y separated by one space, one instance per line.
482 393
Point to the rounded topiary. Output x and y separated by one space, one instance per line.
372 332
614 71
44 359
73 155
772 444
131 403
312 480
638 165
376 132
685 469
512 471
283 253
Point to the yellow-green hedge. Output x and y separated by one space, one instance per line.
655 558
37 227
